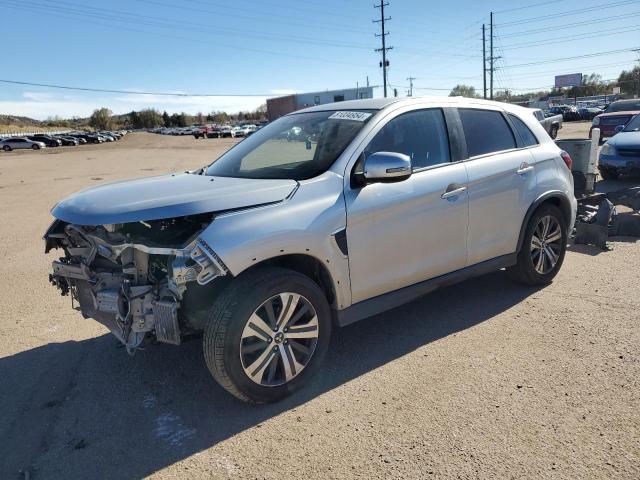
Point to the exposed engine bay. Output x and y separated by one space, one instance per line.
132 277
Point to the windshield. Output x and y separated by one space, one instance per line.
296 147
633 125
623 106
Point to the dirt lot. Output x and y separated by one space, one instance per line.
482 380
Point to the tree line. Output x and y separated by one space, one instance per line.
593 84
104 119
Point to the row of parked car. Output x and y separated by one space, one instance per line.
210 131
226 131
69 139
571 113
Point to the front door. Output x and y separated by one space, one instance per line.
403 233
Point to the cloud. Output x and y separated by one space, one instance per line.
42 105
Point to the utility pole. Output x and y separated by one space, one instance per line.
484 63
383 34
637 50
411 79
491 57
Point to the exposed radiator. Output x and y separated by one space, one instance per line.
165 313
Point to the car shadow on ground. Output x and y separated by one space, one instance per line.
78 407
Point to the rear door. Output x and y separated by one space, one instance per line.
502 182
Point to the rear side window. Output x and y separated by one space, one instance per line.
526 135
422 135
486 131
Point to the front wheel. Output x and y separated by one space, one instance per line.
267 334
6 148
35 147
543 248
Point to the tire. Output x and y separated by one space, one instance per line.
531 269
233 349
554 132
35 147
609 174
6 148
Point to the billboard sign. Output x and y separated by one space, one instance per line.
570 80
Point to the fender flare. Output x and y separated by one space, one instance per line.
556 198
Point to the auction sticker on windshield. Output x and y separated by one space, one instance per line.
346 115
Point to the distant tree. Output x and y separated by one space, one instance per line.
629 81
463 91
199 118
219 117
134 119
101 119
148 118
166 120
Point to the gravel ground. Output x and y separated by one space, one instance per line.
485 379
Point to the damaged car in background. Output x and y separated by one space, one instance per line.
371 204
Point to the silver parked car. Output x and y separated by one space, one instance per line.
372 204
17 143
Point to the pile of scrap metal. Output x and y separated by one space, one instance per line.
598 218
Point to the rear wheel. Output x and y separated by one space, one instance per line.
554 131
543 248
267 334
6 148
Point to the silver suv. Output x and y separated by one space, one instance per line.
320 219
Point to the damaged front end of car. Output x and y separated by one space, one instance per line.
132 277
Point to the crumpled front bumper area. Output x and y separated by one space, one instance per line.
134 289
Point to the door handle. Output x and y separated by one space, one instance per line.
524 168
453 191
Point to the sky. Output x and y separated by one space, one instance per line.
245 51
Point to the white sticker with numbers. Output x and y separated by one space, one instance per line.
347 115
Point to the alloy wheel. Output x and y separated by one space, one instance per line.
546 244
279 339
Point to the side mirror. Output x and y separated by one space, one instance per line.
386 167
619 128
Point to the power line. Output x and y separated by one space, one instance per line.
567 12
526 6
136 92
136 19
556 40
546 29
563 59
56 12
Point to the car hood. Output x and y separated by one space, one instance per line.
168 196
626 140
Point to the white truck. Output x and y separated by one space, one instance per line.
551 123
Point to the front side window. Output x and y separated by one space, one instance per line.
422 135
486 131
296 147
526 135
